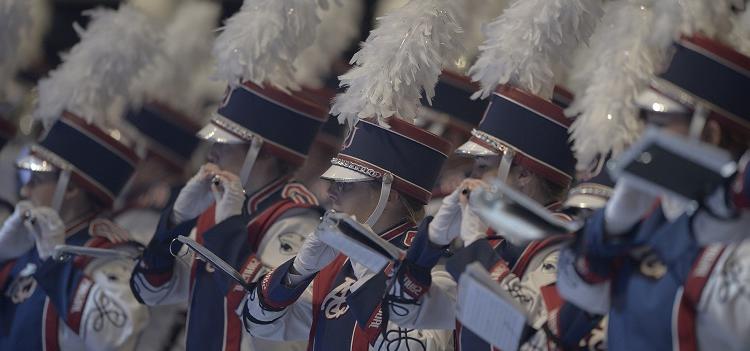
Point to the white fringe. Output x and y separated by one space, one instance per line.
531 41
113 49
401 58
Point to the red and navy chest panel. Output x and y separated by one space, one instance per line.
335 324
212 321
654 296
497 256
28 318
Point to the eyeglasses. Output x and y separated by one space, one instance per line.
342 187
37 178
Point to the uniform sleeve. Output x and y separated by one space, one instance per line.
593 297
94 301
232 241
435 308
408 313
275 311
723 322
421 297
159 277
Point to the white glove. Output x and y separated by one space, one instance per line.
472 227
446 225
314 255
627 207
195 197
48 230
14 238
229 196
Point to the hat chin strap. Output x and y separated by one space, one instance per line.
385 191
503 170
250 157
698 122
60 188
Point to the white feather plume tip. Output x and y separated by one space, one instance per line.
401 58
172 78
530 41
98 70
740 37
624 62
262 40
338 30
20 33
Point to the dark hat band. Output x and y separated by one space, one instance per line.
102 164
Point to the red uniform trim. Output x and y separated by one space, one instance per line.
77 304
693 288
205 221
50 327
542 107
5 271
535 247
710 47
255 200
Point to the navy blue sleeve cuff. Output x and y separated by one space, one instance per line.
479 251
422 252
274 294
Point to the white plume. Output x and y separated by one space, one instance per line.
740 36
30 49
528 43
478 14
262 40
338 30
383 7
188 39
402 57
623 62
474 15
22 25
113 49
160 10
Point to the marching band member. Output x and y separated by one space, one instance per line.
161 119
243 204
542 171
77 170
258 230
640 260
382 175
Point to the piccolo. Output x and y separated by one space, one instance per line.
29 217
216 180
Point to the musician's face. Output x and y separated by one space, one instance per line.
40 188
355 198
485 167
229 157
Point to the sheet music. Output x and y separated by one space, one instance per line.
356 251
485 310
